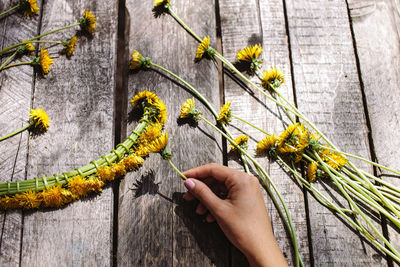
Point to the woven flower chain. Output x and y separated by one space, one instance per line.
57 190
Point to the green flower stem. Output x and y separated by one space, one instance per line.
178 19
177 170
205 102
361 192
37 37
355 206
390 191
252 125
291 227
17 64
383 182
8 60
16 132
47 42
7 188
363 159
9 10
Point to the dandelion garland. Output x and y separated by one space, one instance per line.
57 190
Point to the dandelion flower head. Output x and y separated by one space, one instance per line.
225 115
203 48
69 46
45 60
159 144
29 199
39 119
241 141
265 144
88 22
29 7
312 171
158 3
272 77
136 60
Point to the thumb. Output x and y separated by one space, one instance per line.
203 193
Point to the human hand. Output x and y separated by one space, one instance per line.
242 215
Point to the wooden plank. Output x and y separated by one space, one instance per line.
78 96
156 227
380 74
328 92
15 102
262 22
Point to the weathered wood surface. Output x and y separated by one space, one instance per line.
380 74
15 102
152 225
156 227
262 22
328 91
77 95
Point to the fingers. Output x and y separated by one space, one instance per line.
201 209
210 218
216 171
204 194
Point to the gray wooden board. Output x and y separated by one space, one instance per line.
376 31
156 227
328 92
15 101
262 22
78 97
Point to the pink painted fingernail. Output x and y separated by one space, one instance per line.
189 184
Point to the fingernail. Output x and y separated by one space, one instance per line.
189 184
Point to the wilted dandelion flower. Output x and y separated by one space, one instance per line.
225 115
312 171
241 141
272 77
29 7
39 119
203 48
136 60
88 22
69 46
265 144
78 186
7 203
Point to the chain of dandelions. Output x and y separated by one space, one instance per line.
188 111
57 190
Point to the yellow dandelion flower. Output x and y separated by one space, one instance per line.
286 134
45 60
118 169
105 173
273 77
203 48
159 144
336 160
132 162
187 108
8 203
225 115
94 185
29 47
78 186
162 111
29 199
29 7
265 144
136 60
39 119
144 95
69 46
54 197
142 151
158 3
152 132
249 53
312 171
240 141
88 22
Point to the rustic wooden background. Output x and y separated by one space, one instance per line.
342 66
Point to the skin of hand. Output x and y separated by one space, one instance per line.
241 215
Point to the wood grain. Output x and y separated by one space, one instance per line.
15 102
379 65
328 92
78 96
262 22
156 227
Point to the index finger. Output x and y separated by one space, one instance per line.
219 172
